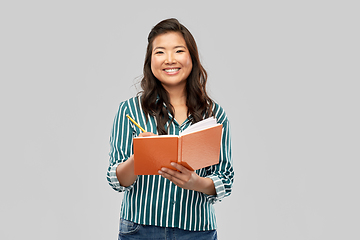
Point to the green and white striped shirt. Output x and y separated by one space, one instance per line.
154 200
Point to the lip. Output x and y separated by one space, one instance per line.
173 72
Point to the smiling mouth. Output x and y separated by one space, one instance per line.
171 70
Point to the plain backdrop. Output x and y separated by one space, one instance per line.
286 73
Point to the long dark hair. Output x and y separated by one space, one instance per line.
154 95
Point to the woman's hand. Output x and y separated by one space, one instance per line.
146 134
188 179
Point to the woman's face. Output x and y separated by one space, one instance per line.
170 60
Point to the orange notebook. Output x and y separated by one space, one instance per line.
196 147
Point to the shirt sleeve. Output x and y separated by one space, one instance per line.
121 146
222 173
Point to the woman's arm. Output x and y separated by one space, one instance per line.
217 183
125 170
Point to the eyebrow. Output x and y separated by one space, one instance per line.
180 46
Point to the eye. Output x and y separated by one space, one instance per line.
159 52
180 51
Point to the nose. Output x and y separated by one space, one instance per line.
170 59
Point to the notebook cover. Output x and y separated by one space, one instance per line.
153 153
201 149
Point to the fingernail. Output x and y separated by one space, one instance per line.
173 164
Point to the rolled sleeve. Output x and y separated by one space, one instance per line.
222 173
220 190
121 146
114 182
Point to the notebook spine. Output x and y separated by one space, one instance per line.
179 159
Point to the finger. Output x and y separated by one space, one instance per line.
163 172
172 178
178 182
168 171
171 174
146 134
179 167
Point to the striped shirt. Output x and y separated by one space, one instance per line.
154 200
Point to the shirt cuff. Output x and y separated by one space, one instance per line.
220 190
114 182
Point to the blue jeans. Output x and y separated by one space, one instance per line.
130 231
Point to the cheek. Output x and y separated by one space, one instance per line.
189 63
156 62
187 60
153 65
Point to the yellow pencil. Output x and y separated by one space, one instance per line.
135 123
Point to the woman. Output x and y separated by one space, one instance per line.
173 203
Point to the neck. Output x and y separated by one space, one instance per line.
177 95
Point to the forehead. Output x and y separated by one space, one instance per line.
169 39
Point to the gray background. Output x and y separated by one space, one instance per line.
286 72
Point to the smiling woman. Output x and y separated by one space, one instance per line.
171 64
171 61
173 204
191 100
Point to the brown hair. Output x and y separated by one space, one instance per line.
154 95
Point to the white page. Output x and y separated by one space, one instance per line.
208 122
157 136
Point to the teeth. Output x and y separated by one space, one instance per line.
172 70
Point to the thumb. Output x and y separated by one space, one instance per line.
146 134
